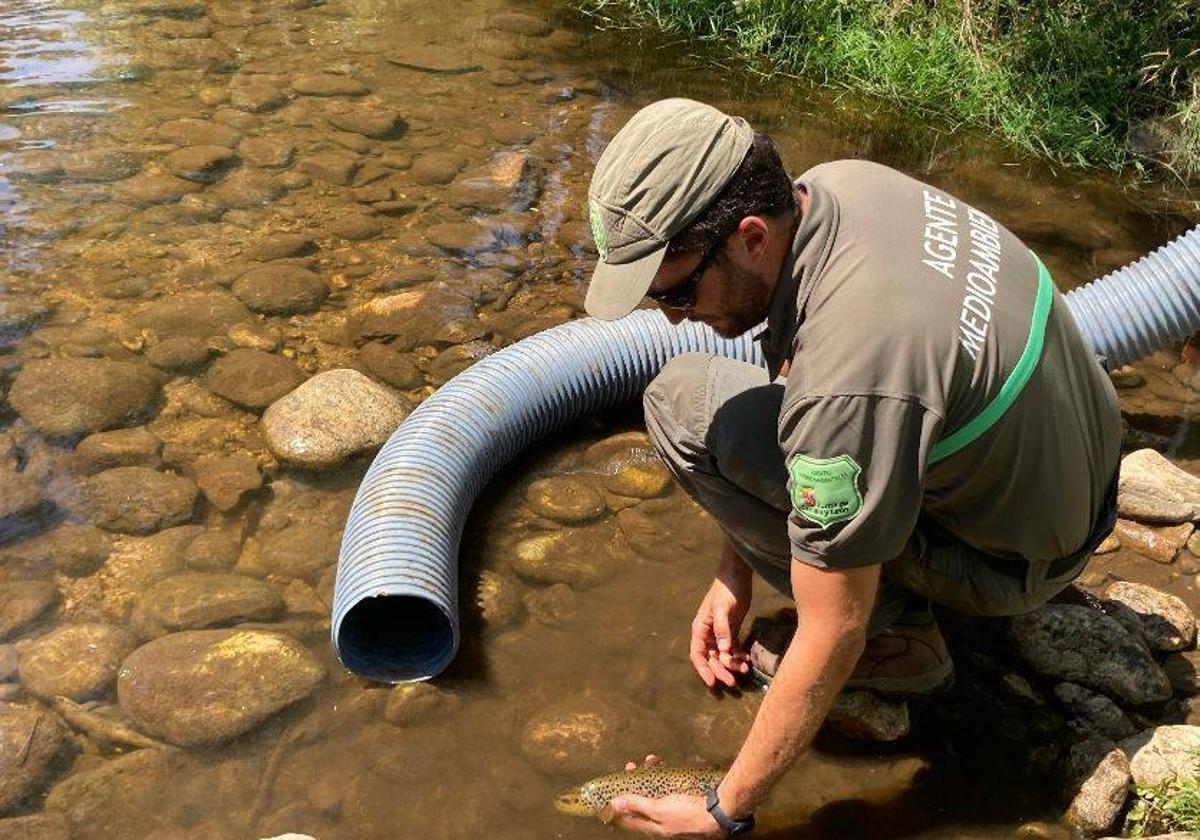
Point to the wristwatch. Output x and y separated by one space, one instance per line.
731 827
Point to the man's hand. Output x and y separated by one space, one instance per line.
678 815
715 651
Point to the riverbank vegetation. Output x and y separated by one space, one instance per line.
1111 83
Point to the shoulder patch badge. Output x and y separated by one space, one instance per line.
825 490
598 232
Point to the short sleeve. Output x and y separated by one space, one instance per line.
856 472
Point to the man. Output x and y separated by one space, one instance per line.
930 426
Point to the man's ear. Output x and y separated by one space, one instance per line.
753 233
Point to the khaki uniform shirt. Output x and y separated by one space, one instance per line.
904 310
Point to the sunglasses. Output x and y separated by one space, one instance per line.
683 294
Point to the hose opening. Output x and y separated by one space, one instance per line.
396 634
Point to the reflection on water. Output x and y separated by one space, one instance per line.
153 155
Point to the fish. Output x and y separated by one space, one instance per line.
592 798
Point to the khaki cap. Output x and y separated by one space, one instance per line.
656 176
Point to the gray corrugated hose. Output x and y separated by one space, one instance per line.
395 609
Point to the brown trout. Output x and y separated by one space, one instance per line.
591 798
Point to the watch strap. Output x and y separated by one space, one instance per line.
731 827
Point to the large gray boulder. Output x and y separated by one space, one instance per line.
1167 622
71 397
1082 645
202 687
332 417
1152 489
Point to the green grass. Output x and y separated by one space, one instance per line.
1068 79
1169 807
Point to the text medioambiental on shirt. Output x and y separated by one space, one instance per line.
941 245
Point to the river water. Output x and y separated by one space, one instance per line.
152 152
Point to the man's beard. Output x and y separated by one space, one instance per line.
745 300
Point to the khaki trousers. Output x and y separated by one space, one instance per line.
714 422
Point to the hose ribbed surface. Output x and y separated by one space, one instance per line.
395 608
1145 306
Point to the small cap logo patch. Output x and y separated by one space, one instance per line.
598 232
825 490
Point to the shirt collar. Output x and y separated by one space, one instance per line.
810 249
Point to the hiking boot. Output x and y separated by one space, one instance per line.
904 660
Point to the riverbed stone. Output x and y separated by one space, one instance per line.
10 664
647 479
107 799
75 396
355 227
579 557
865 716
226 479
281 289
201 600
406 319
1183 670
78 661
36 827
20 499
461 237
1103 777
178 354
256 96
73 550
100 165
434 168
552 606
369 121
245 190
215 550
119 448
198 315
565 499
202 164
30 742
390 366
1082 645
22 603
519 23
204 687
328 84
149 189
267 152
454 360
1163 753
301 550
430 59
251 378
1166 621
278 246
19 316
1152 489
332 417
195 132
1160 543
571 737
1092 713
136 500
334 167
413 703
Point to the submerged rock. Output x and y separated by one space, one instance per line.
198 315
553 606
1152 489
30 741
73 550
252 379
865 716
77 661
119 797
202 164
565 499
301 550
120 448
328 84
137 500
498 597
225 479
579 557
22 603
203 687
36 827
390 366
69 397
1163 753
281 289
332 417
413 703
1082 645
406 319
198 601
1166 622
178 354
373 122
571 737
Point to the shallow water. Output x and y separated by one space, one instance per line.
99 233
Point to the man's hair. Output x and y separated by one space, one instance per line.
759 187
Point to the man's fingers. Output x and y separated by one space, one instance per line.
722 674
721 629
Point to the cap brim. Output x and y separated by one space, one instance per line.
616 290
